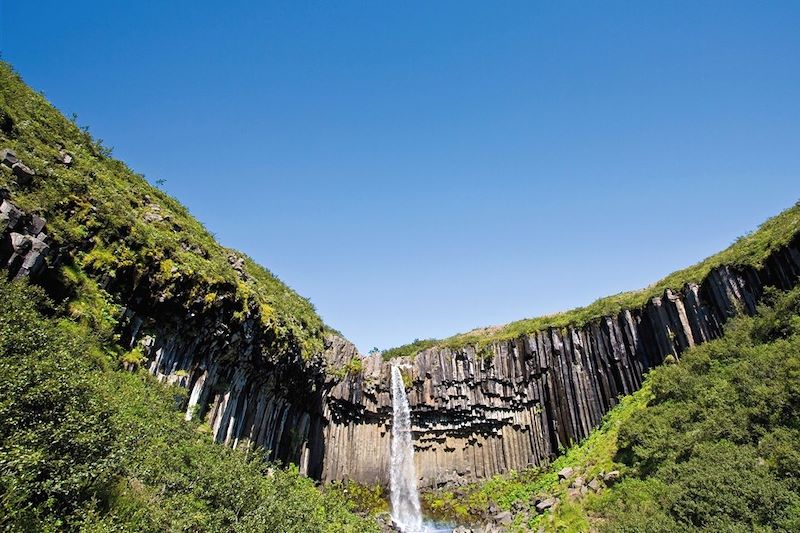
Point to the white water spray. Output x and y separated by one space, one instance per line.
406 511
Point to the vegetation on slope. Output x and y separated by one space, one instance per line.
86 446
748 250
83 444
711 443
119 229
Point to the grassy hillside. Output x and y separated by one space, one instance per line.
748 250
83 444
708 444
118 228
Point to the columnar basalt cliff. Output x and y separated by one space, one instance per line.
250 391
477 413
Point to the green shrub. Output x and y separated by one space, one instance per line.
57 446
86 447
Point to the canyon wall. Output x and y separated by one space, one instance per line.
475 416
475 413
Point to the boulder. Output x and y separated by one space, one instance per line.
611 476
10 214
23 173
566 472
503 518
8 157
546 504
37 224
64 158
595 484
153 213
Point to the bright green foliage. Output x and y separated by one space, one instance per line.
353 367
719 443
85 447
750 250
710 443
120 229
409 349
365 499
57 445
594 455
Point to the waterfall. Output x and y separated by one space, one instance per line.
406 510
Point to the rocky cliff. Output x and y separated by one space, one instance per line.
249 391
481 412
476 412
250 351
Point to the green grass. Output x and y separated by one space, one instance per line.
95 210
749 250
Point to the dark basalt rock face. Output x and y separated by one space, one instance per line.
250 387
473 415
476 416
24 247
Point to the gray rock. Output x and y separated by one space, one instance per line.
612 476
595 484
578 483
10 214
565 472
153 213
546 504
64 158
8 157
503 518
37 224
23 173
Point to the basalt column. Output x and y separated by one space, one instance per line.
477 414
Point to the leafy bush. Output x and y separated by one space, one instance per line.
57 444
710 443
85 447
719 438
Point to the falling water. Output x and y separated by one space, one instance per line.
406 510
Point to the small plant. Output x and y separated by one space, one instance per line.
354 366
133 358
408 381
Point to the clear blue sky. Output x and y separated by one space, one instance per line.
422 168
